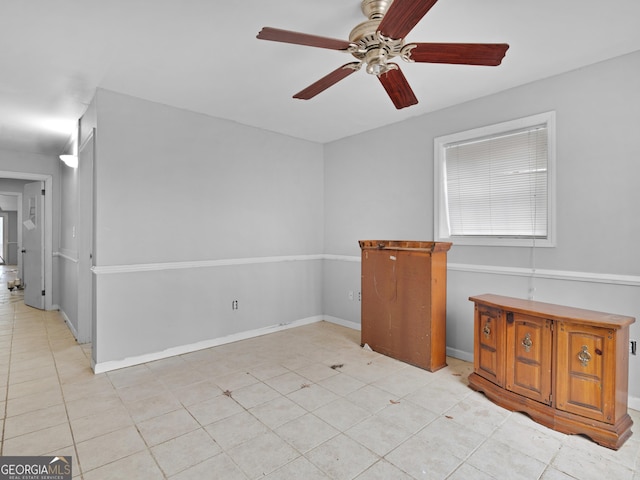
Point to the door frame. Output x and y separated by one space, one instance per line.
48 228
4 241
86 201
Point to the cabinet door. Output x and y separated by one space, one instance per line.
528 356
489 344
586 362
396 305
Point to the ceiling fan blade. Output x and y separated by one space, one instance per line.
286 36
490 54
327 81
399 90
402 16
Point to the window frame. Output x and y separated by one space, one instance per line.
440 217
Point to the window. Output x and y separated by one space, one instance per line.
495 185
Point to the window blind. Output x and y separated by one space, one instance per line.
497 186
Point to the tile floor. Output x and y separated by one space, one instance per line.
271 407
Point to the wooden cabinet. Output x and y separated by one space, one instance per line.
404 297
567 368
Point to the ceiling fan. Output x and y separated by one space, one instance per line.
379 39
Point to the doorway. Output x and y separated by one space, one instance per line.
3 243
47 244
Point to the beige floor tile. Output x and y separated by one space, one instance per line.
168 365
502 461
425 460
92 426
84 407
197 392
236 429
33 387
530 441
378 434
341 384
35 420
341 457
469 472
312 397
214 409
126 377
221 466
36 401
372 398
39 442
140 465
142 391
87 388
108 448
300 468
165 427
266 371
450 436
589 466
407 415
383 470
478 414
549 474
179 378
287 382
437 397
185 451
45 369
151 407
317 372
342 414
235 380
306 432
278 411
254 394
262 455
404 381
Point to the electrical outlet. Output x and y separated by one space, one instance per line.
633 345
234 305
359 296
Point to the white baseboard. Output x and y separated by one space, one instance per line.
460 354
343 322
102 367
69 324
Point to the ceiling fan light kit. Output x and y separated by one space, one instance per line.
379 39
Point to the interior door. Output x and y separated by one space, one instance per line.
33 244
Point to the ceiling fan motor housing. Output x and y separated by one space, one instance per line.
368 45
373 9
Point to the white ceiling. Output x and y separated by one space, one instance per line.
202 55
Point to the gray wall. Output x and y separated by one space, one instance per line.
207 211
191 213
68 251
383 189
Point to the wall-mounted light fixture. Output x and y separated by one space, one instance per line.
70 160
